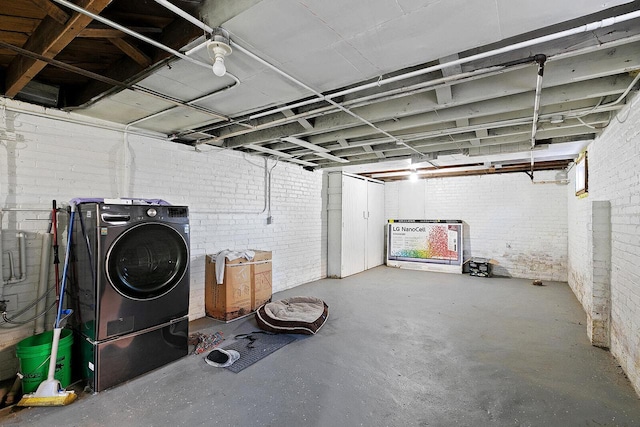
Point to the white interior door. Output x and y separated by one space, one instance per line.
354 225
375 225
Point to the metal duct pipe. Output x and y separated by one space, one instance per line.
540 59
175 9
192 102
267 193
527 43
23 255
22 250
43 281
1 258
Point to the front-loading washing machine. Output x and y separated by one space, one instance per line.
129 288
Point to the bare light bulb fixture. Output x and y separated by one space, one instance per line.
218 67
218 47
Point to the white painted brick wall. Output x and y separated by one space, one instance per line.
521 225
43 159
579 271
614 162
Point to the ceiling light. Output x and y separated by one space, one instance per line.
218 47
413 176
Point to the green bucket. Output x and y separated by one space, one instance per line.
34 353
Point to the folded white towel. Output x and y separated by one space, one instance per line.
230 255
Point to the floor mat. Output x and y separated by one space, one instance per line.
256 347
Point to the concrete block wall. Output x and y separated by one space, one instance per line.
508 218
614 161
45 158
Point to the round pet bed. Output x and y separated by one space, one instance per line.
295 315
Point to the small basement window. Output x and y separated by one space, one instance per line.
582 175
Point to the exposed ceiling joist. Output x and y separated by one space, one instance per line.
131 51
468 170
305 144
268 151
304 122
469 98
317 150
444 94
48 40
52 10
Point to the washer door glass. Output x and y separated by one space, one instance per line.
147 261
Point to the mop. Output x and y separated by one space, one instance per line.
50 392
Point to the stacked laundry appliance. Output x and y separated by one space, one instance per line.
129 287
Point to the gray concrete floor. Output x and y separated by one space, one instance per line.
400 348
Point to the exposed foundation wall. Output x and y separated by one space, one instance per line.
506 217
47 158
614 162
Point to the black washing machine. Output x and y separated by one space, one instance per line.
129 288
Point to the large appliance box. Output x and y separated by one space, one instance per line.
261 286
246 286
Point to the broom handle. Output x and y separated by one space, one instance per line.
54 353
57 329
65 269
56 257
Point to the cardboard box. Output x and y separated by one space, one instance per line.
231 299
261 287
246 286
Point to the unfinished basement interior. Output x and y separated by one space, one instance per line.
319 213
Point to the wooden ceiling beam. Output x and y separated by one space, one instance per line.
100 33
17 39
132 52
520 167
18 24
59 15
62 65
49 38
176 35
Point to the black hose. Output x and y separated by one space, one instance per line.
11 320
27 308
